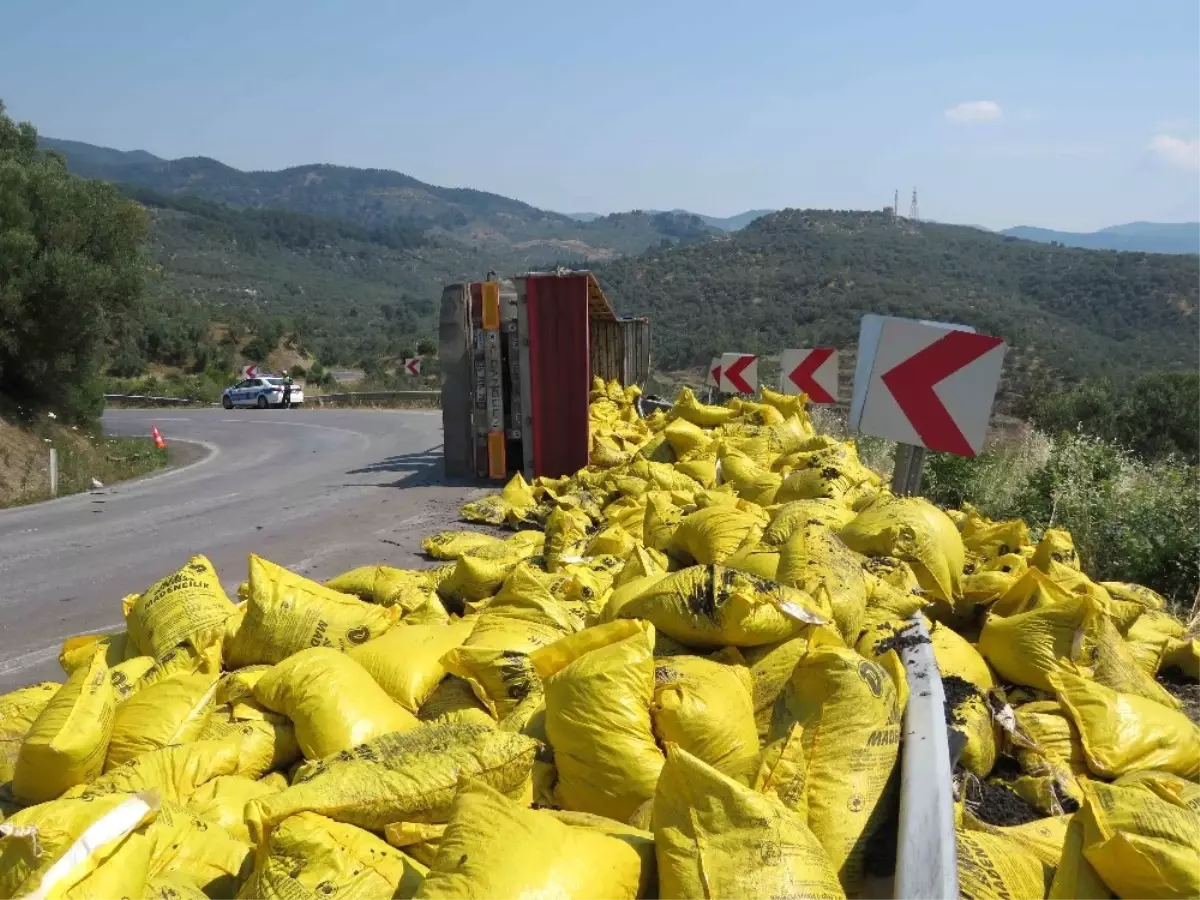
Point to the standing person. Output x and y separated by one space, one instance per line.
287 391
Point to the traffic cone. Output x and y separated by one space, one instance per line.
158 438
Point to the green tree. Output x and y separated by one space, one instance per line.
71 272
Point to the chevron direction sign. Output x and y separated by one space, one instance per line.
739 373
813 372
928 384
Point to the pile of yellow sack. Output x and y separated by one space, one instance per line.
674 676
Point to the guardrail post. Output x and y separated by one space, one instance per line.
53 472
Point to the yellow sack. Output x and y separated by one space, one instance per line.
713 606
453 544
19 709
968 714
49 848
917 532
1135 593
494 659
188 606
511 505
782 771
222 801
1047 726
1044 838
333 701
1124 733
492 847
1056 546
957 656
453 702
1074 877
385 586
815 559
991 865
613 540
264 740
704 706
711 535
789 517
687 407
878 645
126 677
1142 841
686 437
987 583
1183 655
417 839
1146 645
659 524
848 710
477 577
173 886
1114 665
771 666
1030 647
406 660
311 856
717 838
287 613
760 560
994 539
598 687
67 742
174 773
566 537
410 777
78 651
211 858
121 875
173 711
183 660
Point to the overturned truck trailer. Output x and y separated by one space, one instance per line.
518 357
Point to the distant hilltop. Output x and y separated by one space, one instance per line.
1143 237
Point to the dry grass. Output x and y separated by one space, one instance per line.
82 456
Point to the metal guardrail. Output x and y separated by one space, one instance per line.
926 852
369 396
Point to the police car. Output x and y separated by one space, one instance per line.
263 391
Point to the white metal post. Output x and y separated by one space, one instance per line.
53 472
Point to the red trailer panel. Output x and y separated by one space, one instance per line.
559 371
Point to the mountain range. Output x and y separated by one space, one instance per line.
350 263
1145 237
516 234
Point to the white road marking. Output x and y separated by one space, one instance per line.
37 657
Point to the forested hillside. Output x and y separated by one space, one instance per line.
519 235
802 278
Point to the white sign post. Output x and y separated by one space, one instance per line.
813 372
927 385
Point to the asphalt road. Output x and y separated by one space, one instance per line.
319 491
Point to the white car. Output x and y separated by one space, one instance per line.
263 392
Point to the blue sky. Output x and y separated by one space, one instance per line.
1078 114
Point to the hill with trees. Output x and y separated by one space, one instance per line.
518 234
804 278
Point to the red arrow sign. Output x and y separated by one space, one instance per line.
802 376
733 374
912 384
716 374
413 366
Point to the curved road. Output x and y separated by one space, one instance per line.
319 491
